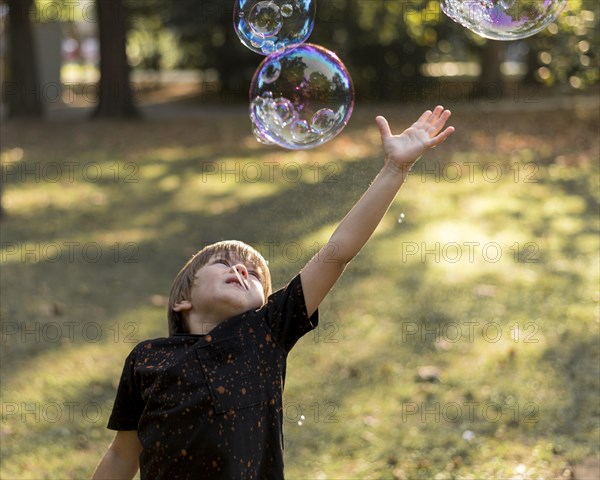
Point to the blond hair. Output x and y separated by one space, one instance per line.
184 281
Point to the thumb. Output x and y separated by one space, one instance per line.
384 127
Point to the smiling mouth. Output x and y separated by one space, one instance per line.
235 283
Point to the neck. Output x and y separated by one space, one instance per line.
202 324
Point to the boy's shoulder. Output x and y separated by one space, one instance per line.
171 342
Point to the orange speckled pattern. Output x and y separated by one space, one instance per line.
210 406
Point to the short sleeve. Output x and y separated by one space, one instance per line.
128 405
286 314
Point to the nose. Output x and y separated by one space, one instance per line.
241 269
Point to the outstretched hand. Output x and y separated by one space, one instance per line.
354 231
402 151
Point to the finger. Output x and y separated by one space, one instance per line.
437 112
443 118
438 122
435 141
435 115
423 119
384 127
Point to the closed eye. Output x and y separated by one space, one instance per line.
222 261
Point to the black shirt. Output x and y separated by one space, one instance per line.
210 406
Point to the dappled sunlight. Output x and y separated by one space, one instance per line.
85 354
214 200
154 171
40 459
68 397
168 154
467 255
500 350
310 245
170 183
25 200
484 270
59 375
507 142
90 246
10 156
566 204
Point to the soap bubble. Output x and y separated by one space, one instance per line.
300 98
269 26
504 19
264 19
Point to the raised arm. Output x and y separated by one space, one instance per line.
401 152
121 461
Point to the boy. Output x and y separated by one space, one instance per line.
206 402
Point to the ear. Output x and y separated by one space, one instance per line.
182 306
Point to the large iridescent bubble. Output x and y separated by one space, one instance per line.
300 98
504 19
268 26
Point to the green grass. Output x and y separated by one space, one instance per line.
491 278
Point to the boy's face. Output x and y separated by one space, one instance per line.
217 293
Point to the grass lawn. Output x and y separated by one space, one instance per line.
485 269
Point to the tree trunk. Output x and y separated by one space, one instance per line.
115 96
23 90
491 81
1 188
532 65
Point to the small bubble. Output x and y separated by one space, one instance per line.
271 72
269 47
287 10
265 19
285 110
260 136
506 4
323 120
300 130
301 421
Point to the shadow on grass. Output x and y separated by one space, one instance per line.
158 225
575 362
106 287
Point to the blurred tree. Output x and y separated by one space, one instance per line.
374 41
24 99
388 47
446 41
144 36
491 55
566 53
115 95
209 41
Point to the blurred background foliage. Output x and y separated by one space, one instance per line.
394 49
385 44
